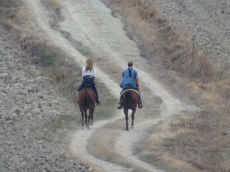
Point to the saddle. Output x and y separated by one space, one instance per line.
128 89
87 85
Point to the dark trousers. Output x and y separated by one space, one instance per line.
89 81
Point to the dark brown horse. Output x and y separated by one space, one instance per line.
130 99
87 100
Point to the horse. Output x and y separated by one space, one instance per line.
87 100
130 99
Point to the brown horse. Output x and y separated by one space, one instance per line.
130 99
87 100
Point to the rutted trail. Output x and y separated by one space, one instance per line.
91 23
61 42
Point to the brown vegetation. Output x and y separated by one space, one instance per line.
52 4
199 142
63 74
172 47
196 143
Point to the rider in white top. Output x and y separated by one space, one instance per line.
89 77
87 73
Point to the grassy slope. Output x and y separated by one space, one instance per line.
196 142
63 75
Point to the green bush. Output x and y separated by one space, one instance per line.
48 57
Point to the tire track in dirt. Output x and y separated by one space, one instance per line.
106 37
91 20
77 146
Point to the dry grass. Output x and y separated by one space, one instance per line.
190 143
213 95
186 145
52 4
102 145
171 46
62 73
109 67
195 143
70 154
15 20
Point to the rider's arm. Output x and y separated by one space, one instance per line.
83 72
137 82
94 73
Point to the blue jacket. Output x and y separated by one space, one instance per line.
129 78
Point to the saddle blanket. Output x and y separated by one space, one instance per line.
129 90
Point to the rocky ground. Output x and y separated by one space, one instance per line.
26 105
208 22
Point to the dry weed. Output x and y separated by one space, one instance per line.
180 165
102 145
52 3
112 67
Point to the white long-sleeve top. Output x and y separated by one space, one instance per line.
85 73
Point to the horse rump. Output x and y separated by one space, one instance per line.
87 98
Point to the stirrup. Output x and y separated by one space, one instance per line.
140 105
99 103
119 106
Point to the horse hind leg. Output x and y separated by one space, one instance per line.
82 119
91 117
86 123
126 119
133 112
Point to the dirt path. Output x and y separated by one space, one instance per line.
91 23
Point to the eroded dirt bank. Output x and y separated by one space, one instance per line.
26 104
207 21
90 23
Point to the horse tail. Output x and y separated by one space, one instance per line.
90 100
86 98
128 99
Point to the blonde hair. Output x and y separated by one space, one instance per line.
89 64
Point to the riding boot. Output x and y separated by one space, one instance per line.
139 101
79 89
97 101
119 106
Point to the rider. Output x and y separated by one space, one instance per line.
130 80
88 74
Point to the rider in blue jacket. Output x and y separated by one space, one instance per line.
130 80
